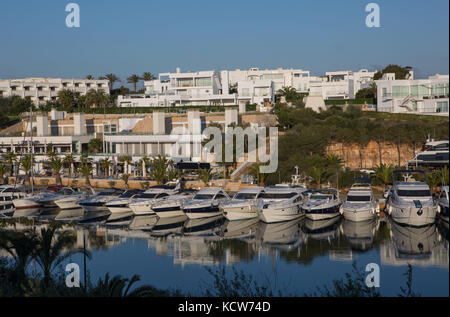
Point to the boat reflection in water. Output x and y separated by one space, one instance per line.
239 229
203 226
170 225
119 219
281 235
360 234
145 223
70 214
94 217
322 229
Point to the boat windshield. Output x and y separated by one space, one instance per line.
245 196
109 193
414 193
204 196
148 195
278 195
358 198
320 197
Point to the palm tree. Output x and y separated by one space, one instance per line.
20 246
383 173
3 171
159 167
89 77
318 174
133 79
27 164
147 76
334 166
52 250
290 93
69 159
112 79
126 160
105 164
86 170
443 175
120 287
144 162
10 157
256 172
125 178
97 98
95 145
51 153
56 166
205 175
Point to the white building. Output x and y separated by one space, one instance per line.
415 96
340 84
181 89
260 92
41 90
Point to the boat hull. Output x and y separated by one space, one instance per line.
322 213
27 205
358 215
169 212
239 213
412 216
270 215
443 212
141 209
202 212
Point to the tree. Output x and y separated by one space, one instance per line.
89 77
147 76
66 98
120 287
69 160
256 172
53 249
105 164
133 79
125 178
3 171
95 145
205 175
290 93
383 173
10 158
159 167
86 170
112 79
126 161
56 166
318 174
27 164
97 98
369 92
400 72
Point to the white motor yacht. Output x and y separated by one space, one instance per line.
71 201
142 205
281 203
360 204
322 204
443 203
243 205
97 202
121 204
171 206
205 203
411 202
8 193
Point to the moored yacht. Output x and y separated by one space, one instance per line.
411 202
322 204
360 204
171 206
48 197
121 204
443 203
142 205
280 203
243 205
205 203
8 193
434 153
71 201
97 202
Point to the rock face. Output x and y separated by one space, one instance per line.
369 156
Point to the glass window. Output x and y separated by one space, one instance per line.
203 196
185 82
423 91
358 198
245 92
442 106
203 81
245 196
383 92
414 193
414 90
400 91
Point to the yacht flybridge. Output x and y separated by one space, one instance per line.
97 202
360 204
411 202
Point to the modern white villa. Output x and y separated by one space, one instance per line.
41 90
414 96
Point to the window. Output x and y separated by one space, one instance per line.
414 90
358 198
245 92
414 193
262 91
442 106
400 91
383 92
414 105
203 81
185 82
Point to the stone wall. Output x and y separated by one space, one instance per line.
370 154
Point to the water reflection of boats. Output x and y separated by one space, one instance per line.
203 226
322 229
166 226
280 234
360 234
32 212
94 217
70 214
145 222
119 219
414 242
239 228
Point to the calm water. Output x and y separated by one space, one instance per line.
295 256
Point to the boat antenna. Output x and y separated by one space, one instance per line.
31 148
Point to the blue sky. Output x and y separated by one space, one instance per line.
126 37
